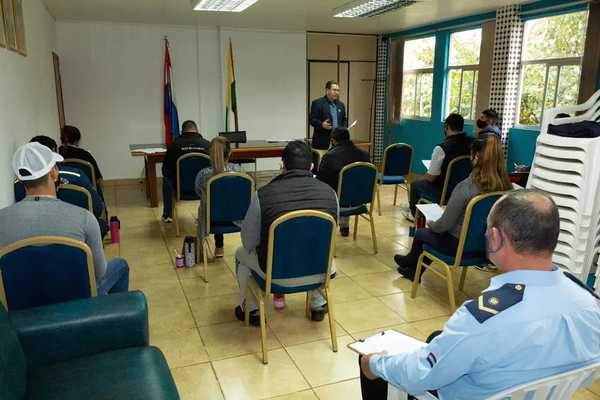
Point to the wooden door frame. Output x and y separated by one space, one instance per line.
59 93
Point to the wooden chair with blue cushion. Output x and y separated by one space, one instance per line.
96 348
300 251
228 197
188 166
356 194
75 195
396 170
84 166
45 270
471 246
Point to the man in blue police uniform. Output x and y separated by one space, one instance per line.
533 321
326 114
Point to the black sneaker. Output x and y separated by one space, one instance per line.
402 261
254 317
318 315
345 231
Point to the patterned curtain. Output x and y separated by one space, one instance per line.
506 67
380 99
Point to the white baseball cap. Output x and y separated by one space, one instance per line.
34 160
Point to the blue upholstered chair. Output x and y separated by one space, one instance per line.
459 169
45 270
75 195
471 246
84 166
94 348
228 197
396 169
299 258
356 193
188 166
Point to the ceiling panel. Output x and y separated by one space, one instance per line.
316 15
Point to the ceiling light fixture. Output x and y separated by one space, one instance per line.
222 5
370 8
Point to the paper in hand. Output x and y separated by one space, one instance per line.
432 212
390 342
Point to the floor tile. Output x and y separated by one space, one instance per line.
584 394
304 395
382 283
365 314
347 390
247 378
221 283
321 366
359 264
424 306
234 339
344 289
183 349
213 310
197 382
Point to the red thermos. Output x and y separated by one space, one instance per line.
115 225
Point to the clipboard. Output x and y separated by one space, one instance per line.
388 341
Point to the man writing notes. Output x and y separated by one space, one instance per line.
532 322
326 114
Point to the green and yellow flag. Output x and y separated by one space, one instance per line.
231 97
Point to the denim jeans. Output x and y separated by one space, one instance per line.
116 278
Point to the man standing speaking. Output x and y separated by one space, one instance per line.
326 114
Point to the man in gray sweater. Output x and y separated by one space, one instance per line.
42 214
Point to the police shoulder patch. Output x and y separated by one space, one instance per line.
493 302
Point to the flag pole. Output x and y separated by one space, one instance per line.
235 114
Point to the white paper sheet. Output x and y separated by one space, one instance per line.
431 212
152 150
352 125
426 163
390 341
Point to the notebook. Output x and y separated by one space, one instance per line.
389 341
431 211
426 163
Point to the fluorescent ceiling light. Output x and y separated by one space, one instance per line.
370 8
222 5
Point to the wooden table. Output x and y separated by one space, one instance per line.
155 153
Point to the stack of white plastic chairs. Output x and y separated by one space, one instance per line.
569 170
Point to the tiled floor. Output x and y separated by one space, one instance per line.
213 356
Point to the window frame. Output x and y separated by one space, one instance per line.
416 72
463 67
548 62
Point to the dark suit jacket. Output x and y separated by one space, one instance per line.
336 159
319 113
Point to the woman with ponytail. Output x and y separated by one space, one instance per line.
219 152
489 175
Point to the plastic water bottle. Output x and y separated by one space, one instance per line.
115 225
279 302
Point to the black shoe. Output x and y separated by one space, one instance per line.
402 261
345 231
319 314
406 272
254 317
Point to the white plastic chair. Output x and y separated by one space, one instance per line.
556 387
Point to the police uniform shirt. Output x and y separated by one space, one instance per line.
527 325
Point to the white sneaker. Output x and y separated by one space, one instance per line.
167 220
409 217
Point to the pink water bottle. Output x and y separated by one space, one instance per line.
279 302
115 225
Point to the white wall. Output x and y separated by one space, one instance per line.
27 93
112 84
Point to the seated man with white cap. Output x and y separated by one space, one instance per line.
42 214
